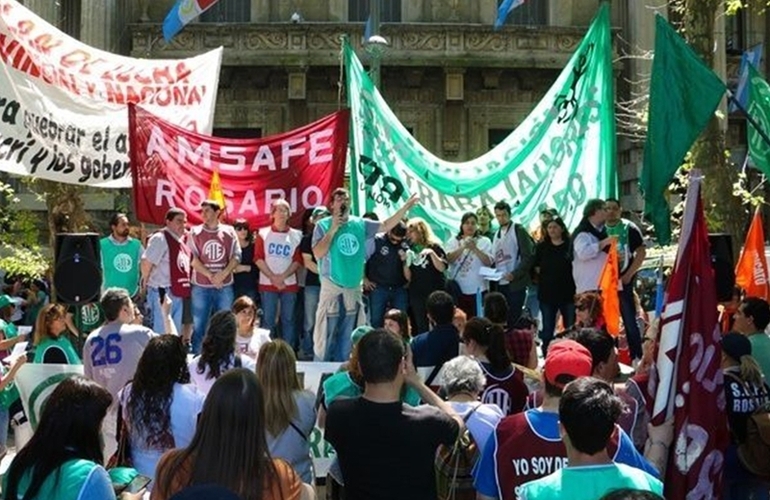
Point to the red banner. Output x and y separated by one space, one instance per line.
173 167
686 380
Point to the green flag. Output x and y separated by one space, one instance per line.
759 110
684 93
560 156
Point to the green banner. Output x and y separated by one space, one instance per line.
560 156
759 110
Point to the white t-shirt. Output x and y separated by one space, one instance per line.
186 405
202 381
468 276
250 346
482 422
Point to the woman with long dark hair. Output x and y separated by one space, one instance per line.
397 321
246 274
217 352
63 460
519 340
556 286
229 448
290 412
467 253
160 408
505 385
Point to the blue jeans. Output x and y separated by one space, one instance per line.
628 313
567 310
205 302
5 419
382 296
515 299
312 294
339 328
156 313
532 303
270 302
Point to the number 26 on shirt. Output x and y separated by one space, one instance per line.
106 350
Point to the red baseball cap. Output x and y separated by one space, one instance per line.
566 357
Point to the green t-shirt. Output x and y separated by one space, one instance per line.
78 479
10 393
760 350
347 252
62 343
91 317
620 230
589 483
340 385
120 263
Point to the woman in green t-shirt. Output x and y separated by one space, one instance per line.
51 343
63 460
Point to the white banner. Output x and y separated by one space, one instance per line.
63 113
37 381
310 374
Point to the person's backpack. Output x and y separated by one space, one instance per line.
454 466
754 452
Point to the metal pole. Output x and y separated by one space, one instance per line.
374 12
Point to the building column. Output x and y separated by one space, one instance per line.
97 25
47 9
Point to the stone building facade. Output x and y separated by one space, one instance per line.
455 83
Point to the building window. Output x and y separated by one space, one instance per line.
69 17
231 11
390 11
531 13
497 135
734 33
238 133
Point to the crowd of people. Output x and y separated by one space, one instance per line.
437 362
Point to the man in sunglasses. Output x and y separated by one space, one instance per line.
384 278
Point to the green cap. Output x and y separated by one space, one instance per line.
359 332
5 300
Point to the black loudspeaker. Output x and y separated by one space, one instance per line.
724 265
77 274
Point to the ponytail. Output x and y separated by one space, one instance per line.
751 371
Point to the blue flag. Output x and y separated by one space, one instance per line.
368 29
182 13
505 8
752 56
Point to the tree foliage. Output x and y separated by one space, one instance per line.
20 252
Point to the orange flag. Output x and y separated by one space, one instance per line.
216 193
608 284
751 271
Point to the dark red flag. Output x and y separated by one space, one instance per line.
687 378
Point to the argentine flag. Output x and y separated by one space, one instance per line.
182 13
505 8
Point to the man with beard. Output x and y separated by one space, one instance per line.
121 255
166 270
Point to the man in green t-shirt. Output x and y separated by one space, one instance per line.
121 255
588 409
751 319
339 245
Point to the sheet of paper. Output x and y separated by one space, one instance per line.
19 350
490 273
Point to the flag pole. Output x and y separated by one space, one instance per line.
751 120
